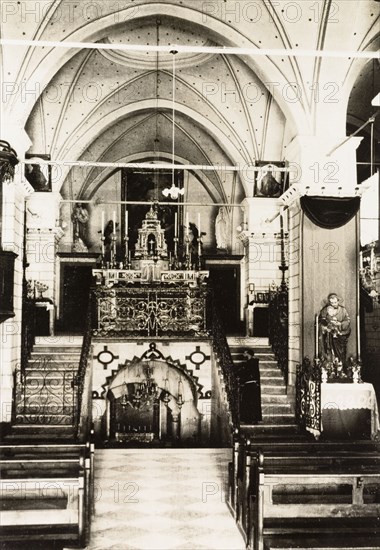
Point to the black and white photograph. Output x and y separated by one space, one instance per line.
189 275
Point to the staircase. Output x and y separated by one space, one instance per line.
277 410
46 395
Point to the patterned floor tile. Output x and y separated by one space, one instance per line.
172 499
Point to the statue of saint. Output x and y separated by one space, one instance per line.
222 228
334 330
80 218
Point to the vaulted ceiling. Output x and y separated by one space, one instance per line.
108 105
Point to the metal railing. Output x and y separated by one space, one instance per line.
83 380
278 326
223 353
150 311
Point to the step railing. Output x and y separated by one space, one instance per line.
224 360
83 380
278 326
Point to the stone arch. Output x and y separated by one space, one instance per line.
93 31
78 146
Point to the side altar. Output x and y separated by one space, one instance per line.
151 292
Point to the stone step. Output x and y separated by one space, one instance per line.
276 408
273 389
53 420
41 429
271 381
57 350
278 419
44 409
57 370
279 431
274 398
55 357
270 371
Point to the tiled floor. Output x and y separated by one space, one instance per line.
163 499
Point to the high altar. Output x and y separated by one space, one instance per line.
151 292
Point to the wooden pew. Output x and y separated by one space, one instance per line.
287 457
47 492
293 498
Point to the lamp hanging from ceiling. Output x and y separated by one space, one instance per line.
173 191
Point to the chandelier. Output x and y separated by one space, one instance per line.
173 191
145 390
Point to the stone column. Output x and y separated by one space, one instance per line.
43 235
320 260
262 245
14 193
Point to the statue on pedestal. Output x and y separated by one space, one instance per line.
222 229
334 330
80 218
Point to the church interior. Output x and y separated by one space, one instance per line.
190 274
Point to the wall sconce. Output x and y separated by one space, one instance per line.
251 288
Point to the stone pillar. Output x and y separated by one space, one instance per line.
320 260
176 426
43 235
262 245
12 239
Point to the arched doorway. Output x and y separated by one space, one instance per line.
152 402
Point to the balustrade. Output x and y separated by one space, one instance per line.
150 311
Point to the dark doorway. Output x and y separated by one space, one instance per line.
76 282
225 281
260 322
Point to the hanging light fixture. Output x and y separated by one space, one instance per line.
156 138
173 192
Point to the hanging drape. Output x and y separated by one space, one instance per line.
330 212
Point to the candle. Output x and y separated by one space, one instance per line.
102 232
175 225
126 223
244 220
114 221
358 335
187 224
199 224
316 336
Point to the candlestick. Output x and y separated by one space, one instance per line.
316 336
358 335
102 232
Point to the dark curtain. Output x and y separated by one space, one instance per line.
330 212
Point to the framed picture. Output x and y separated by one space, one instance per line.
38 175
269 182
146 186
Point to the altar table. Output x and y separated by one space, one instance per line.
349 410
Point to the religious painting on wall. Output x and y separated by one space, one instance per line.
269 181
146 187
38 175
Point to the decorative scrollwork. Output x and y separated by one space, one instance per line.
150 311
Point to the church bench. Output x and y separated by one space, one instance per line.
292 497
288 459
43 509
46 491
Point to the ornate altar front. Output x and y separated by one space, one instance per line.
339 406
151 292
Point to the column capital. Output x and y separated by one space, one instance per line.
318 168
43 210
16 136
